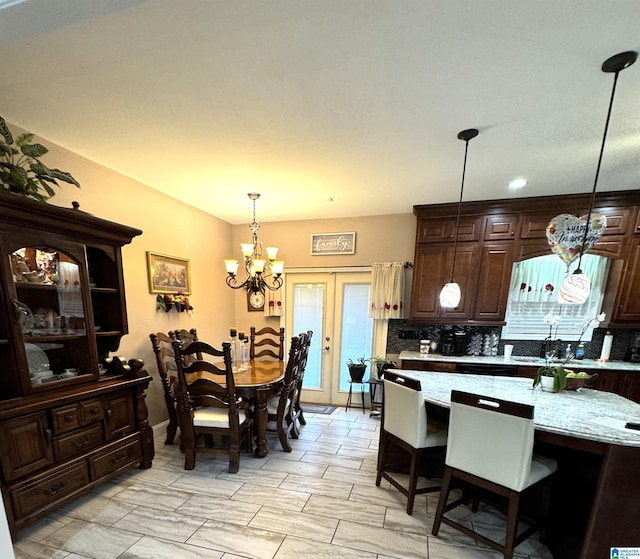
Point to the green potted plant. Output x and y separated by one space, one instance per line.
357 369
552 376
382 364
21 170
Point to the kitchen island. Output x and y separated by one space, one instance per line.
595 503
619 377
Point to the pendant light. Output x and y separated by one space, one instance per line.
576 286
450 294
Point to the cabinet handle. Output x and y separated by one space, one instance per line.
119 457
81 442
69 418
49 435
55 488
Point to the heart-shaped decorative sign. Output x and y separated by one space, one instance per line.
565 233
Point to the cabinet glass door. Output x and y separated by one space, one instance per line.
52 315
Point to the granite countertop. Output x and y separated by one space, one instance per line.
584 413
521 361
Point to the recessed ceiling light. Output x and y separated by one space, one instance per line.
517 184
9 3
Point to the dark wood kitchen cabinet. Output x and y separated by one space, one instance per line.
71 415
496 233
432 269
627 305
494 275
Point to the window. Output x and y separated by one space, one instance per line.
533 293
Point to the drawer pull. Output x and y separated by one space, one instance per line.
69 418
55 488
81 442
119 457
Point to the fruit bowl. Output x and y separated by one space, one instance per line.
573 383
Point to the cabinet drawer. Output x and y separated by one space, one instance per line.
36 495
65 419
122 454
91 411
78 442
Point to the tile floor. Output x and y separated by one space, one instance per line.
319 501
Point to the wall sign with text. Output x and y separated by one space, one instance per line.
333 243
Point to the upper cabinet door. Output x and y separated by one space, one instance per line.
432 269
443 230
493 283
627 309
501 227
52 312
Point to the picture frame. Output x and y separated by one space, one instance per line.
168 274
323 244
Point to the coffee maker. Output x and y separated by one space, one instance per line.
454 342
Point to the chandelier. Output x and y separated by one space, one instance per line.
261 273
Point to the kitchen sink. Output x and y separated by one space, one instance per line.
527 359
541 361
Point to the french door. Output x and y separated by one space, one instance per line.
335 306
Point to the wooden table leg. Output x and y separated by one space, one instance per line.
260 422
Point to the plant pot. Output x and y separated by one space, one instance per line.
382 367
546 383
356 372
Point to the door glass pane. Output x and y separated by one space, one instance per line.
308 302
357 328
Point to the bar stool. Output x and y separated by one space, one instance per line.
351 383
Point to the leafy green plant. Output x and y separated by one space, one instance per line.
557 372
21 170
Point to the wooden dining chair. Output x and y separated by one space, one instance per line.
405 426
166 364
208 407
490 448
297 413
281 406
266 342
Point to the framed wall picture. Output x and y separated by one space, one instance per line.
168 274
333 243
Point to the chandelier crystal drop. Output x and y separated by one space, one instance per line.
262 273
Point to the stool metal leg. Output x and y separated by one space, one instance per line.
349 397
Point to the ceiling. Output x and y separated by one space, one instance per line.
329 108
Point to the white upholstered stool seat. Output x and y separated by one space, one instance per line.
405 427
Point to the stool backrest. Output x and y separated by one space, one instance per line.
491 438
405 412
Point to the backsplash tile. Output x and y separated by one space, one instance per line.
406 337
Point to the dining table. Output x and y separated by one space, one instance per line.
595 501
256 381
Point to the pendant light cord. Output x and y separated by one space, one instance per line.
595 181
455 239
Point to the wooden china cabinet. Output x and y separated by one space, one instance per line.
71 415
